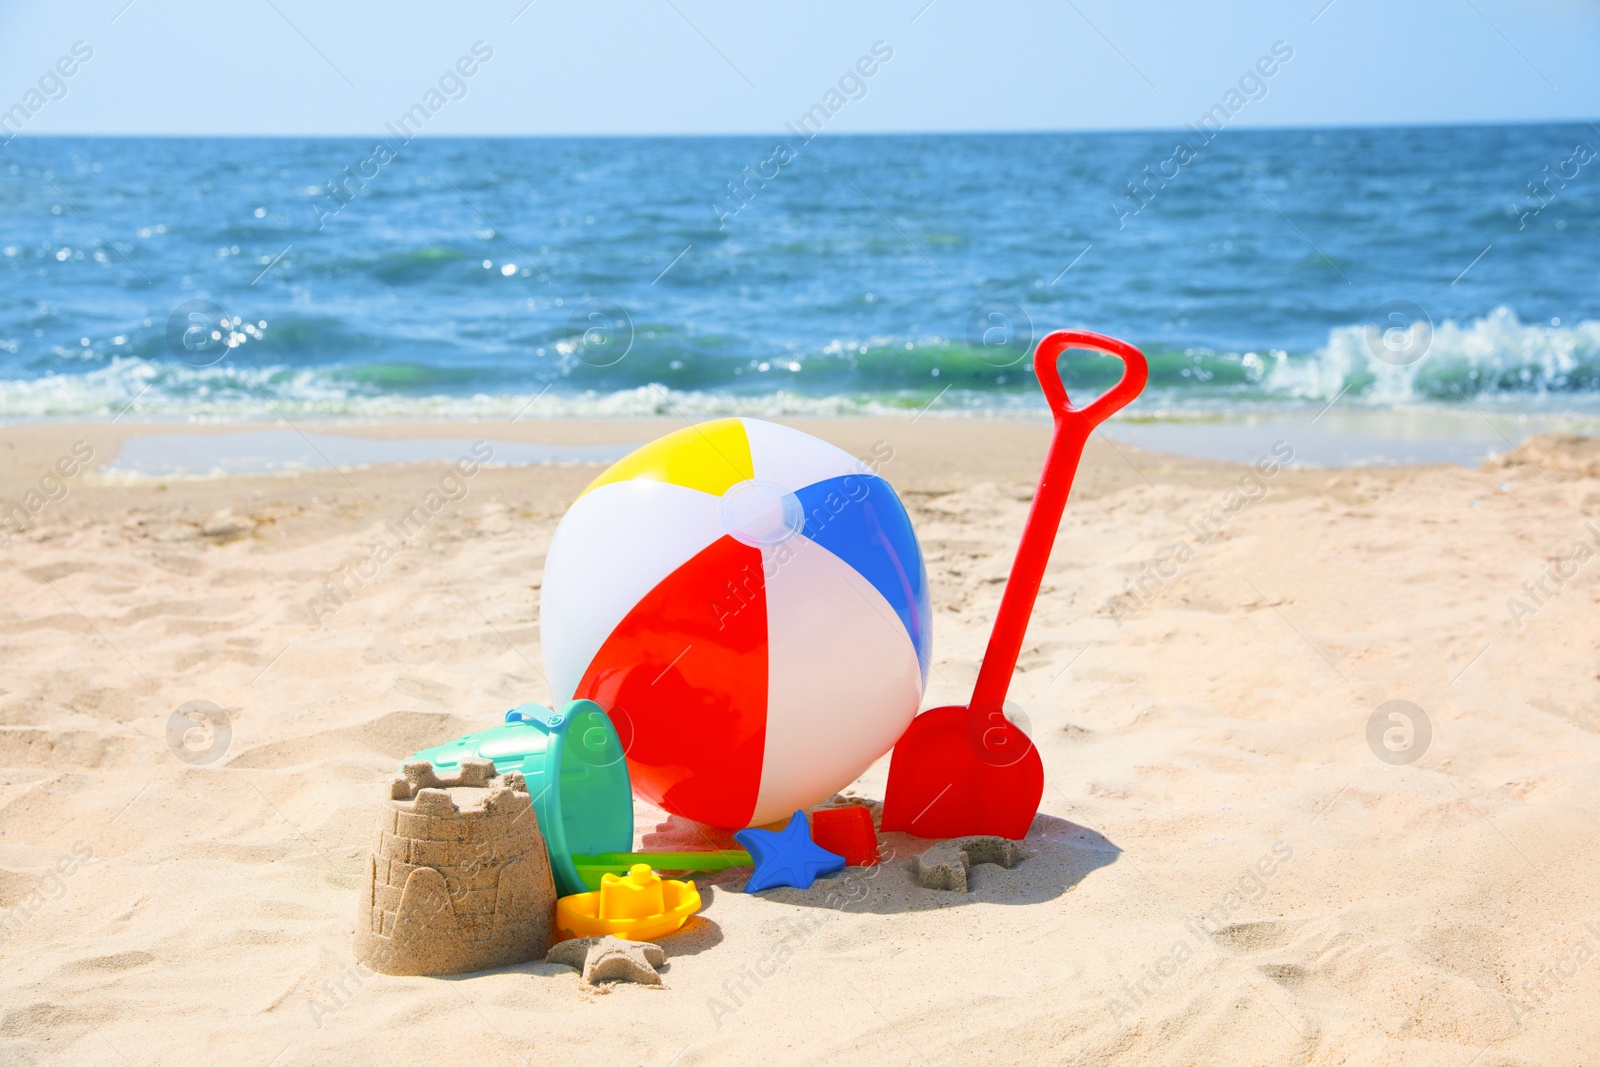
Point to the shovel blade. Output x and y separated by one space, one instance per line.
956 775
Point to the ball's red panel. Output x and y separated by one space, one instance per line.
684 676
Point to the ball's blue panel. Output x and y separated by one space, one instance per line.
859 518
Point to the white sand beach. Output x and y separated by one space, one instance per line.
1223 870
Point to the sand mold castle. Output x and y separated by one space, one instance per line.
459 879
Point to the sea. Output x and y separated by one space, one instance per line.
1278 272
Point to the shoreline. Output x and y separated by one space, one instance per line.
1329 438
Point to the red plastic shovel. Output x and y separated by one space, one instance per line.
964 770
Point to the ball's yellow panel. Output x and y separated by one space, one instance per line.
710 457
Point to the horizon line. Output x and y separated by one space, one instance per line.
730 135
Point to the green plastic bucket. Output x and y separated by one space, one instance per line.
577 777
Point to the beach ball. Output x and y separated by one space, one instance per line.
750 606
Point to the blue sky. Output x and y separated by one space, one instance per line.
718 66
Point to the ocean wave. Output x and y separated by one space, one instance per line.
1495 358
1494 355
139 389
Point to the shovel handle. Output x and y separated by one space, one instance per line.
1135 372
1073 426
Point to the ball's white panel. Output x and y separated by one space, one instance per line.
843 678
793 459
614 545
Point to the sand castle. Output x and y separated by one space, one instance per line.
459 879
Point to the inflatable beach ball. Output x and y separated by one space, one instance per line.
750 605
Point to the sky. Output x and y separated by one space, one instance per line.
345 67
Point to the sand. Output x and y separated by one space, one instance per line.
1224 870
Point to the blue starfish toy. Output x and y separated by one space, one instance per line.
786 857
